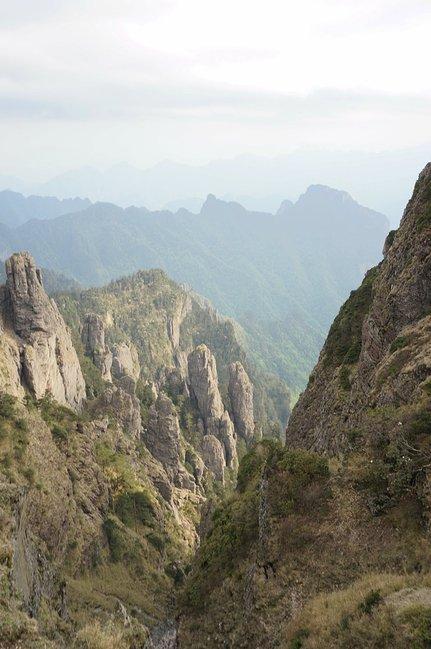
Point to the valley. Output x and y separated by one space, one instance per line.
149 495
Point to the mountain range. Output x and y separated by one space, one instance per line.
147 500
381 179
282 276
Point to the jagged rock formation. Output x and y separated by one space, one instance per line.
125 365
162 438
101 509
204 384
164 323
215 419
241 399
93 339
214 456
376 353
124 406
39 355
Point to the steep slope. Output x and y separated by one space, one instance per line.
326 542
16 209
101 497
375 353
282 276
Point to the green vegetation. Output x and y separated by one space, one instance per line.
60 419
361 616
297 642
418 622
135 507
373 599
14 441
390 239
235 524
393 468
343 344
399 343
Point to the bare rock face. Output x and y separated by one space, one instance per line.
93 339
204 387
162 438
378 351
226 434
125 365
241 398
174 323
32 324
213 455
197 464
204 383
124 406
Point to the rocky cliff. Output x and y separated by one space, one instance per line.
326 542
103 481
241 398
214 420
377 353
38 351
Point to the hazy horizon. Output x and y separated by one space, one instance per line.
95 83
382 181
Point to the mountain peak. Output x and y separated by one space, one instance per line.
323 192
285 207
213 203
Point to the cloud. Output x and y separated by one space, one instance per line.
195 73
21 13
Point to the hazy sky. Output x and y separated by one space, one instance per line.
102 81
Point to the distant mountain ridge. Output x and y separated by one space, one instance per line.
16 209
381 179
283 276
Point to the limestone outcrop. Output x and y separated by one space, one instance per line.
124 406
214 457
205 390
162 435
241 399
204 383
125 365
162 438
38 351
93 339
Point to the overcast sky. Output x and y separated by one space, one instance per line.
103 81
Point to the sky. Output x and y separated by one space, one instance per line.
98 82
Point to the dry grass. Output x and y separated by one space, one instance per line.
93 636
358 616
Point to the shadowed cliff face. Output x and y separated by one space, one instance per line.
326 542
